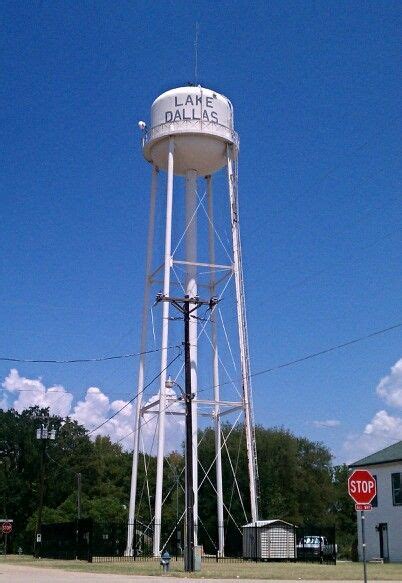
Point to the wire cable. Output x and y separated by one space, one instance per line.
327 350
258 373
261 372
63 466
80 360
149 420
135 396
312 355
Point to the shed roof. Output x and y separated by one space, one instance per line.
392 453
260 523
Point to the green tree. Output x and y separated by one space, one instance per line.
297 481
343 512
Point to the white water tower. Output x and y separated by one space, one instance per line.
191 135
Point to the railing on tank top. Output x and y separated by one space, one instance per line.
190 126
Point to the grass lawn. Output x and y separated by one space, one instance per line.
341 571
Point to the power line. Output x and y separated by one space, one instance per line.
63 466
145 422
314 354
287 364
255 374
135 396
326 350
81 360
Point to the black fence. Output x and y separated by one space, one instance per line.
106 542
109 539
67 540
88 540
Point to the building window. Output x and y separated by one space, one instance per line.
396 489
374 502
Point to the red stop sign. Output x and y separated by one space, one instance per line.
362 486
6 527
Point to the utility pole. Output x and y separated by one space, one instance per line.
187 306
79 495
189 547
77 530
43 434
41 491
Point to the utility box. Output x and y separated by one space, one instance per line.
269 539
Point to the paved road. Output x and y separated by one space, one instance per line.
23 574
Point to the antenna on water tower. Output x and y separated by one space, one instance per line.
197 30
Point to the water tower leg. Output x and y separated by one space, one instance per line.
164 352
144 338
215 375
243 338
191 290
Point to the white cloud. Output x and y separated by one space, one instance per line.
381 431
384 425
96 408
390 387
33 392
93 410
3 403
174 425
327 424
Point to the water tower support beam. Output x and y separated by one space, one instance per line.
191 201
215 374
141 370
243 336
164 355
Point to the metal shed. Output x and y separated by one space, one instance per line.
269 539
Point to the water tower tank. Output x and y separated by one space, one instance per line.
201 121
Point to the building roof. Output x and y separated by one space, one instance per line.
392 453
261 523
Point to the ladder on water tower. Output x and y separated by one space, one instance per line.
245 343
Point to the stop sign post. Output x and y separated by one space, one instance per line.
362 487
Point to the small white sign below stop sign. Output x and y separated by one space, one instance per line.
362 486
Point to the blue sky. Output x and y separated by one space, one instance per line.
316 92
